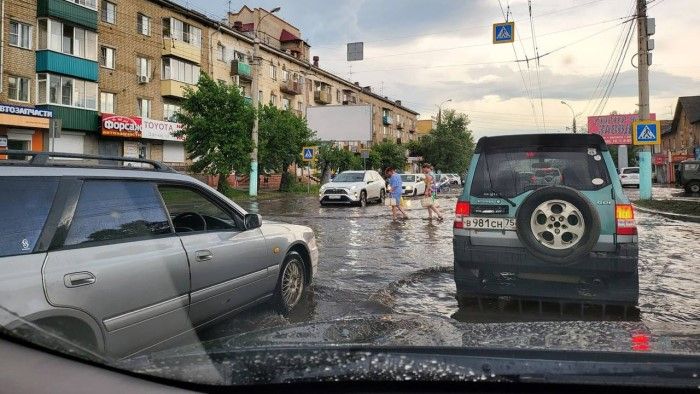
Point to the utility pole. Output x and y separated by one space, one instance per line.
643 77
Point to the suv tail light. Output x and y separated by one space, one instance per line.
624 220
462 209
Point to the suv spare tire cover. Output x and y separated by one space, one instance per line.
564 256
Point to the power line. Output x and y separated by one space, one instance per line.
537 58
616 70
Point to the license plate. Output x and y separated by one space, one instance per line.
334 197
489 223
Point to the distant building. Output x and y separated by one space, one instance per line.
425 126
680 138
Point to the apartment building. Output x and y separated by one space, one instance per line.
115 71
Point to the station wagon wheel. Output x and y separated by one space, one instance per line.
557 224
694 187
291 283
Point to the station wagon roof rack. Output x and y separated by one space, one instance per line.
42 159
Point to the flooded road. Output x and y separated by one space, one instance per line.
372 266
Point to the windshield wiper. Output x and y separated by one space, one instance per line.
492 189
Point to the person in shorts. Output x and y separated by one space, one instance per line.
395 192
428 200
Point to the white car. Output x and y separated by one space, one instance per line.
353 187
413 184
629 176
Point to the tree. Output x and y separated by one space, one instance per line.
387 154
332 158
450 146
415 148
282 136
217 125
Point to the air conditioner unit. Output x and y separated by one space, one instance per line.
143 79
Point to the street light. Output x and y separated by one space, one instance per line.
440 110
573 115
253 185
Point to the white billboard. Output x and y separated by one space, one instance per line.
341 122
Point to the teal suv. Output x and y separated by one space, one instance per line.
544 217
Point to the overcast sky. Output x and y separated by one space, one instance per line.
424 52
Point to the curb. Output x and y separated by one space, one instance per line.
670 215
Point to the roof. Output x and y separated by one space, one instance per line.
691 105
287 36
666 125
527 141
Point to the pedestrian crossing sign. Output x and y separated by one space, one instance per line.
308 153
503 32
646 132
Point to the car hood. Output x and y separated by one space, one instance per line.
342 185
393 347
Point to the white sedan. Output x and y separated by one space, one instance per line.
629 176
413 184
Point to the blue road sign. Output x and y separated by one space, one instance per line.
503 32
646 132
308 153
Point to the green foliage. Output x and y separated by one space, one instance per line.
217 126
332 158
415 148
449 148
387 154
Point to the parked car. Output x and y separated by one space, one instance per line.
453 179
413 184
443 182
120 260
574 241
629 176
546 176
354 187
690 176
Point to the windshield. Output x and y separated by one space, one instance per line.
514 172
262 192
350 177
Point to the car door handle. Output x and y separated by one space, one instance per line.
77 279
203 255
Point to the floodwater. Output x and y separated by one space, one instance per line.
382 279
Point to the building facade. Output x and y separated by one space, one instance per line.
680 140
115 71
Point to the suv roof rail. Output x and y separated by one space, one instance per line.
42 159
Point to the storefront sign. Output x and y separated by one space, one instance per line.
25 111
660 158
3 141
615 129
677 158
160 130
121 126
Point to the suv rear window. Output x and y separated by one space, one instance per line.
514 172
117 210
25 205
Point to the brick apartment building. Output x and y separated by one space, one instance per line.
680 138
114 72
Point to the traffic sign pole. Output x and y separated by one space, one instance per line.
643 76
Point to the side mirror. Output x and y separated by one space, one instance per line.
252 221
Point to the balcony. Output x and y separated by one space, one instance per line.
399 125
248 100
75 118
387 120
59 63
322 96
181 49
298 113
349 100
412 129
172 88
242 69
291 87
67 11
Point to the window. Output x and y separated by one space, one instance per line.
179 30
337 96
187 209
143 67
92 4
107 57
300 106
144 107
56 36
273 72
285 75
143 24
107 102
20 35
285 103
220 52
273 99
66 91
169 111
180 70
18 88
116 211
109 12
30 199
260 96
